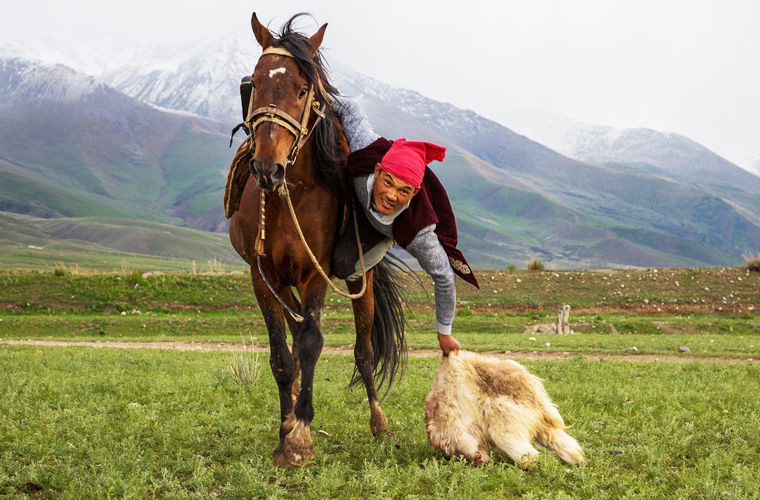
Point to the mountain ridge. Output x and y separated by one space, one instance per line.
574 212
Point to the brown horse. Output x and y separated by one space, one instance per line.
289 79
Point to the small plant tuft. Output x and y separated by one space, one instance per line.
535 264
59 271
752 261
215 266
245 368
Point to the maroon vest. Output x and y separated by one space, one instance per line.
429 206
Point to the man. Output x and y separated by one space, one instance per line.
405 204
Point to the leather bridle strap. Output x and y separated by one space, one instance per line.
299 129
272 114
285 52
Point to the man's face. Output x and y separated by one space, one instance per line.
390 194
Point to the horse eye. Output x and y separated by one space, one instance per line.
303 93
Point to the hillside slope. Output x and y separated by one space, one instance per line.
515 198
63 129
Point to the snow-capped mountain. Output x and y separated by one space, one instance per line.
203 79
656 203
604 144
646 150
31 83
109 53
755 167
73 132
520 162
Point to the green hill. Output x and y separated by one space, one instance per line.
26 196
103 243
99 164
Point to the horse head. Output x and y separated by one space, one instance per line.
286 95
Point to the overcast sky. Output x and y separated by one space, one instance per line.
678 66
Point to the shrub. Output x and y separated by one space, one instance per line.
464 313
511 267
752 261
136 278
59 271
535 264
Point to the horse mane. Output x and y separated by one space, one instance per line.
329 157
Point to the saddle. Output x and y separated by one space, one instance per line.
345 252
237 177
239 172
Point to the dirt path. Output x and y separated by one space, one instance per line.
348 350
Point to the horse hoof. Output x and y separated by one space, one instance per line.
283 459
295 448
285 456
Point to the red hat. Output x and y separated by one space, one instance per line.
406 160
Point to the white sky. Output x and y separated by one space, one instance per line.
673 65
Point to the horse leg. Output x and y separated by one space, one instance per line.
294 327
280 359
364 315
297 445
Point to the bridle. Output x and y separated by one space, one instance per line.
273 114
301 133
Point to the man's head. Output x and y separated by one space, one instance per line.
398 176
389 193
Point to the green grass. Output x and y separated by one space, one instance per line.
98 422
705 336
81 422
733 290
656 312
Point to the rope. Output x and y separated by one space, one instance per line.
260 252
295 315
314 260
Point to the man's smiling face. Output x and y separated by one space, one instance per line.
389 193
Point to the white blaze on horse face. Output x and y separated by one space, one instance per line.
273 72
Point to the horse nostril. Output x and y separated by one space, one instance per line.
255 168
258 173
268 175
278 174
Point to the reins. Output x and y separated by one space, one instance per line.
301 132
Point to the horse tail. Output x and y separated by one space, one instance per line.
388 340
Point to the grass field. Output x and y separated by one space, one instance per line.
96 423
90 422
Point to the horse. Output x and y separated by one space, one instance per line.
306 158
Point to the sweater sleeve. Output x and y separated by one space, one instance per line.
356 127
431 256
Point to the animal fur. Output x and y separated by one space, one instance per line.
477 401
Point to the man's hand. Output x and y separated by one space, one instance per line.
448 344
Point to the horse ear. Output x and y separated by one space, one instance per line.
262 34
316 38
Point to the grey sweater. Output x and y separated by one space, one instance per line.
425 246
